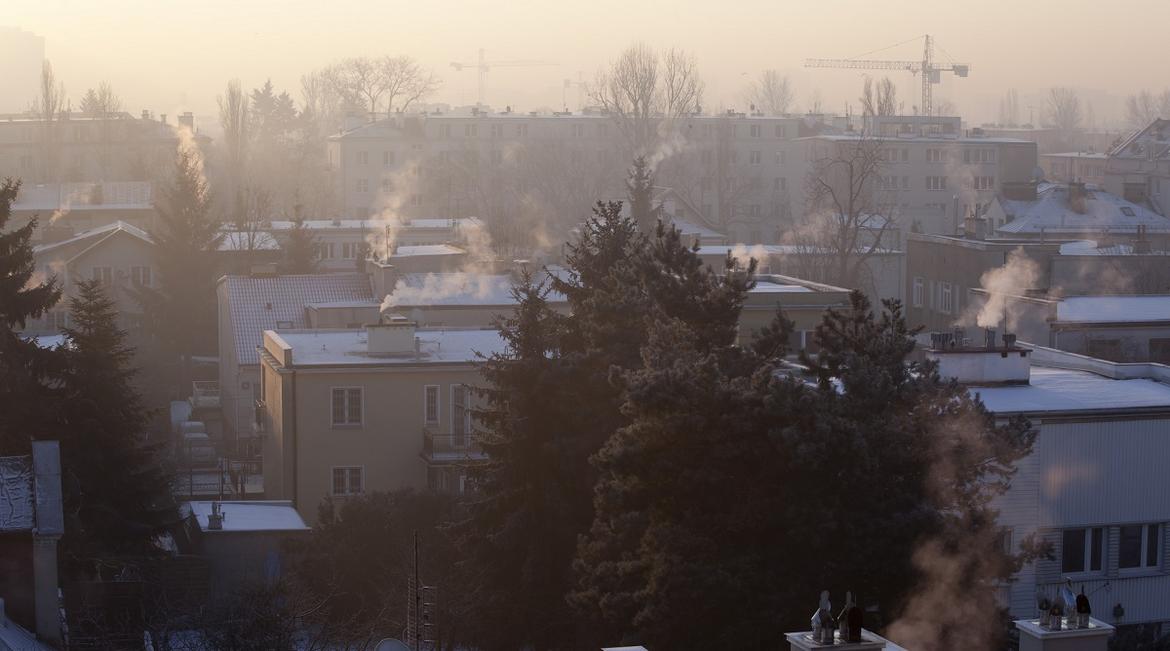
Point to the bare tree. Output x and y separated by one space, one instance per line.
1009 108
48 107
849 208
1144 107
647 91
771 93
1063 109
879 100
405 82
944 106
101 102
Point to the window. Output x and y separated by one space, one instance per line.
104 275
905 182
363 157
781 131
387 158
431 404
755 130
1138 547
1082 550
984 182
497 131
521 130
444 131
578 130
387 184
780 158
347 406
979 156
754 211
363 185
934 155
1127 211
916 293
780 183
347 481
470 130
140 276
936 183
349 250
755 156
460 414
946 299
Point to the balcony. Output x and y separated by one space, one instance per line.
205 394
451 448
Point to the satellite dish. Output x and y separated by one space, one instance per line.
391 644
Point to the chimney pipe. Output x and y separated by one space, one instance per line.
215 518
989 338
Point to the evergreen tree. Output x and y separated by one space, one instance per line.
735 494
300 249
181 313
26 395
640 186
117 490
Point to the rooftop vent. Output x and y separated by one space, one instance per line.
394 335
215 518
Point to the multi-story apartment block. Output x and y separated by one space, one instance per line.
76 147
738 170
1094 486
1074 167
352 411
932 174
63 210
1138 168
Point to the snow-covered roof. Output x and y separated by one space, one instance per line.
458 289
257 304
99 231
426 249
350 348
1060 390
374 224
249 516
1111 309
16 485
48 341
766 287
1151 142
1103 212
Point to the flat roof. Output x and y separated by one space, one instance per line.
1063 390
426 249
350 348
458 289
1111 309
768 287
373 224
251 515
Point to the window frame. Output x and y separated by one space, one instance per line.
1144 549
438 392
347 423
917 291
1091 536
349 492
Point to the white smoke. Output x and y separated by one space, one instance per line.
1014 278
438 287
189 145
671 142
743 255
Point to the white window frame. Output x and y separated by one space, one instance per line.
438 403
754 130
946 301
466 405
1142 566
916 293
346 423
348 492
756 156
140 276
363 158
1086 562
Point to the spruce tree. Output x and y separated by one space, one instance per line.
26 393
181 313
117 488
300 249
640 187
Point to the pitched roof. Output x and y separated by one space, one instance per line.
266 303
1103 213
118 226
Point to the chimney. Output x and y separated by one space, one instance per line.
1141 245
162 117
394 335
1034 637
187 119
50 525
984 365
975 227
1077 195
145 114
383 277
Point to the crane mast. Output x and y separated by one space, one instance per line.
483 66
931 72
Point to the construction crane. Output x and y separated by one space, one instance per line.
483 66
931 71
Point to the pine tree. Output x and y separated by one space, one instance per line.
300 249
25 369
117 489
640 186
180 313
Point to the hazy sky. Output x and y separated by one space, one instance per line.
169 56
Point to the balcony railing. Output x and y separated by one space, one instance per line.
205 394
451 448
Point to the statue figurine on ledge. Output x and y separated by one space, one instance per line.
822 621
1045 608
1056 613
849 621
1083 609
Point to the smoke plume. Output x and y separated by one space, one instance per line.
1014 278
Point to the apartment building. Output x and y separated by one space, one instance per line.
385 407
883 272
1138 167
1094 486
63 210
932 173
1074 167
76 147
737 170
120 255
